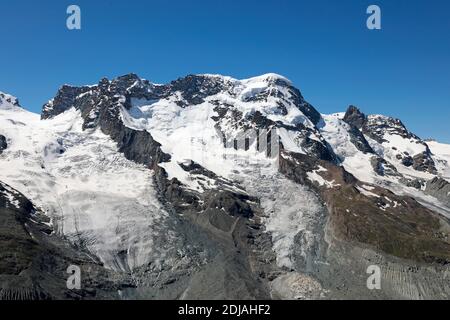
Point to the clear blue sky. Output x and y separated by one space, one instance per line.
323 46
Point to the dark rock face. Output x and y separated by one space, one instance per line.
194 89
355 117
307 109
3 144
382 167
196 169
233 203
356 120
358 139
407 161
414 183
440 189
424 162
65 99
319 150
231 221
376 126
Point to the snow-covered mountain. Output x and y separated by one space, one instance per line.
213 187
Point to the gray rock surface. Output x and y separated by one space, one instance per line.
440 189
355 117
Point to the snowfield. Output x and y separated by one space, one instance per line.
94 196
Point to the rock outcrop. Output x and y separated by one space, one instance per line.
3 143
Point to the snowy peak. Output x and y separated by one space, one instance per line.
268 77
272 78
270 91
266 101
